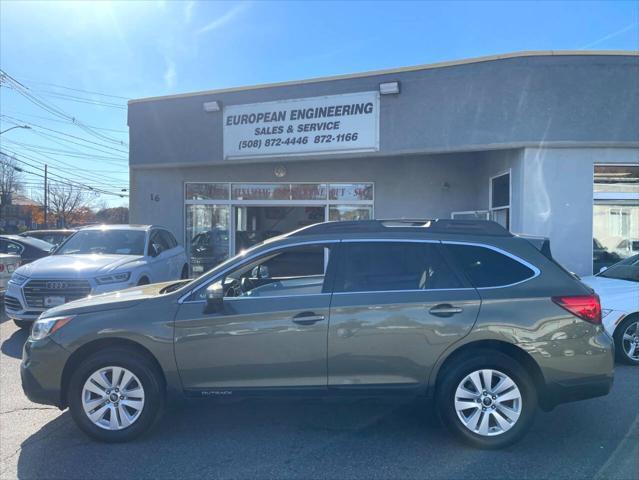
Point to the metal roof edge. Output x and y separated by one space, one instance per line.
371 73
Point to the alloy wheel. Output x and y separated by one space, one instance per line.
630 341
113 398
488 402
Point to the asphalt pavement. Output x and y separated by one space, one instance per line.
306 439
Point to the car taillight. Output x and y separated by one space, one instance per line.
586 307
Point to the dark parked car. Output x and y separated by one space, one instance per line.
54 237
28 248
463 313
208 249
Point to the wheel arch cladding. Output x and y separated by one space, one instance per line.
516 353
95 346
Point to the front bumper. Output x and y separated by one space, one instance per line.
41 371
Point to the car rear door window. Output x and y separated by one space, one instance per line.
393 266
486 267
10 247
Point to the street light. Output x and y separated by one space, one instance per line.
17 126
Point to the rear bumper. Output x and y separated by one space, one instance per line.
575 369
572 391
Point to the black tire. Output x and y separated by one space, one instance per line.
620 353
23 324
143 281
141 367
185 272
479 360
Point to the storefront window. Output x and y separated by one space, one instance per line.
308 191
207 232
207 191
349 212
350 191
261 191
226 218
615 214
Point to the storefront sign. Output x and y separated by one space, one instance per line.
320 125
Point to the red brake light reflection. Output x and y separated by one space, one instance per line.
586 307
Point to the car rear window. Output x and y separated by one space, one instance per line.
486 267
392 266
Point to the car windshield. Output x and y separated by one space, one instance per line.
116 242
627 269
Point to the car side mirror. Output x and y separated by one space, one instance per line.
603 269
214 298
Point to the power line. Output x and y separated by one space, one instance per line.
64 153
63 181
73 98
51 108
18 121
76 89
66 122
71 168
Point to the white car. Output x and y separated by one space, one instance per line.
94 260
618 289
8 263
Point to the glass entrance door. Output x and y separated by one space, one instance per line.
254 224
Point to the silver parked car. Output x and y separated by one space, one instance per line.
94 260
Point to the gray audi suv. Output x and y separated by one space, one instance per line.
483 324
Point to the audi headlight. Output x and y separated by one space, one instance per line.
18 279
114 278
46 326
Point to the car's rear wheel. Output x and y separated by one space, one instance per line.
627 341
115 395
487 399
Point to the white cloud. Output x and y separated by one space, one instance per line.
170 74
188 11
224 19
609 36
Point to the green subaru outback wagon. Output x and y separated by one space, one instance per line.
484 324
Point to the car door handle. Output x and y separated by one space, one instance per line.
445 310
307 318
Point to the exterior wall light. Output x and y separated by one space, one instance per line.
389 88
211 106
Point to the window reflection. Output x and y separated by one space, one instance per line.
207 232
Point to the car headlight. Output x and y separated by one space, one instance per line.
46 326
18 279
114 278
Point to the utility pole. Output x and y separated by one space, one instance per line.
46 197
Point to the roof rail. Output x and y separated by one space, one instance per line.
476 227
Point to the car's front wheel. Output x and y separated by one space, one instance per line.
115 395
487 399
627 341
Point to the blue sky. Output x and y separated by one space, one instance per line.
139 49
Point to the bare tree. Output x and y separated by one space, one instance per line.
10 178
67 203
